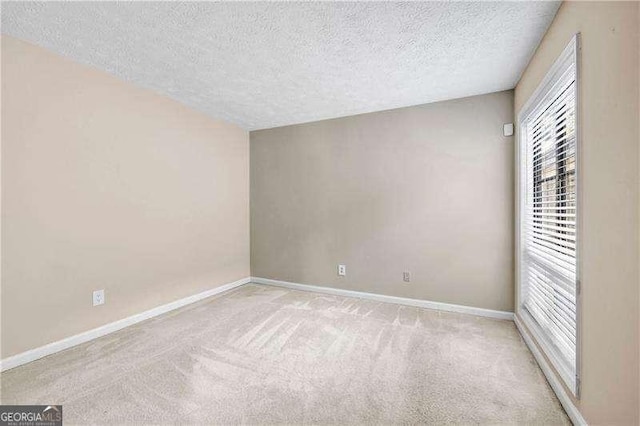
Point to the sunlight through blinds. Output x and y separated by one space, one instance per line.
548 278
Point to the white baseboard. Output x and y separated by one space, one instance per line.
60 345
571 410
389 299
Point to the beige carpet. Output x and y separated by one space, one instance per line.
263 354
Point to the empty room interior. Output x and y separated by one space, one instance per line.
320 213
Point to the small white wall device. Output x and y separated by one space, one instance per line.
98 297
342 270
507 129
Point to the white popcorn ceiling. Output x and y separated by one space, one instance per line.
265 64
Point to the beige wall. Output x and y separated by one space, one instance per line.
428 189
109 186
610 182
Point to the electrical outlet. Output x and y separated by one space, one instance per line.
98 297
406 276
342 270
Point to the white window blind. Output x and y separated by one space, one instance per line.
548 215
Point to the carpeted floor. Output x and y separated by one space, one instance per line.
261 354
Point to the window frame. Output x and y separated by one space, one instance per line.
571 53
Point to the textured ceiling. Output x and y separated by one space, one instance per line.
266 64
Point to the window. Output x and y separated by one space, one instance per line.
548 237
